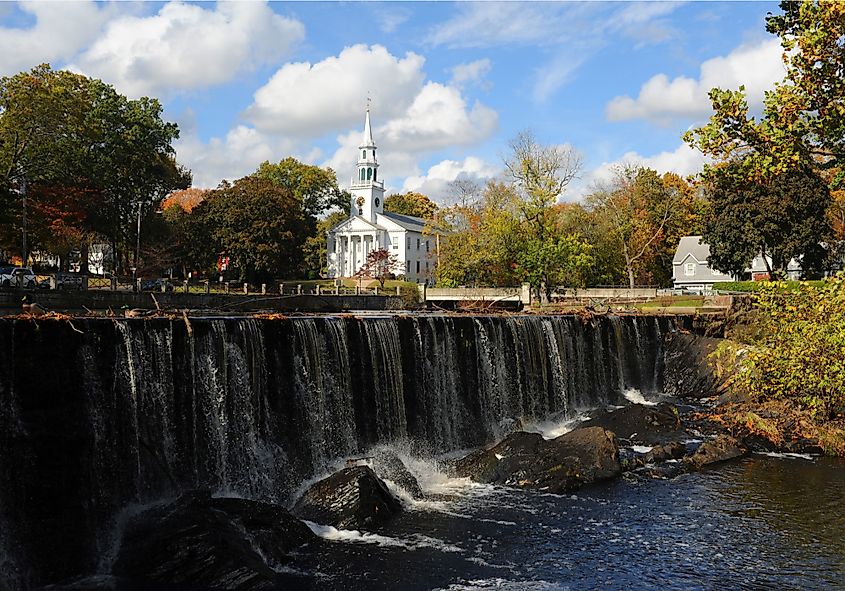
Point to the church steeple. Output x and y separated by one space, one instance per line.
367 190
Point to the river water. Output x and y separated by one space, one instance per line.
758 523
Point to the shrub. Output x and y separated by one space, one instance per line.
758 286
802 354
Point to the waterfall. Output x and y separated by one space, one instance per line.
133 410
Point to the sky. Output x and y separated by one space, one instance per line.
449 83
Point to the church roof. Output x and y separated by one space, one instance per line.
408 222
367 141
351 222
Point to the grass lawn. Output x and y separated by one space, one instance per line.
684 301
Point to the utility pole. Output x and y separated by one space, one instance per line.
23 199
137 250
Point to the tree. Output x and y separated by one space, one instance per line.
185 199
257 223
638 207
411 203
782 218
64 132
539 176
315 249
803 119
380 265
313 187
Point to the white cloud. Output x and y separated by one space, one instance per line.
662 100
683 160
186 46
472 73
436 182
61 30
304 98
231 157
390 17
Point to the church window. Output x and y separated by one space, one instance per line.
361 175
369 174
375 171
364 154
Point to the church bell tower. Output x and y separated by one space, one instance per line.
367 191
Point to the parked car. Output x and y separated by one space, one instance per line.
68 281
17 277
156 285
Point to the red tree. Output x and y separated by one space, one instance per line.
380 264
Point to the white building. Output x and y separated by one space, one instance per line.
370 228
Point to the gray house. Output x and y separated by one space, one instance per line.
690 269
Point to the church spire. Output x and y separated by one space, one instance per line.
367 142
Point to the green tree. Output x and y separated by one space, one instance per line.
803 119
313 187
61 131
539 176
801 357
411 203
782 218
258 224
315 253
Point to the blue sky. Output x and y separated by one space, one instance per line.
450 83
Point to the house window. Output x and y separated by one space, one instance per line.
418 245
407 266
426 245
395 242
418 266
689 269
409 243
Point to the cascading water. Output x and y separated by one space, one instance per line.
131 411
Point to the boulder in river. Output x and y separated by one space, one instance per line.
559 465
638 422
352 498
390 467
723 448
212 543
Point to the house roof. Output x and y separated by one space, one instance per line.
408 222
691 245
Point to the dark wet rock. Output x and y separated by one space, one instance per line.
390 467
688 371
638 422
212 543
721 449
663 470
352 498
670 451
562 464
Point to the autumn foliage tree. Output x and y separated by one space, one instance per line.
380 265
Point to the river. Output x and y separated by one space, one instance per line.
758 523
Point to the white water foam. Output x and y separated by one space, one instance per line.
641 449
555 428
504 585
635 396
795 456
415 542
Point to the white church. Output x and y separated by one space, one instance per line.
370 228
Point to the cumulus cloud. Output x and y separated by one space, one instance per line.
472 73
304 98
662 100
437 181
60 31
186 46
